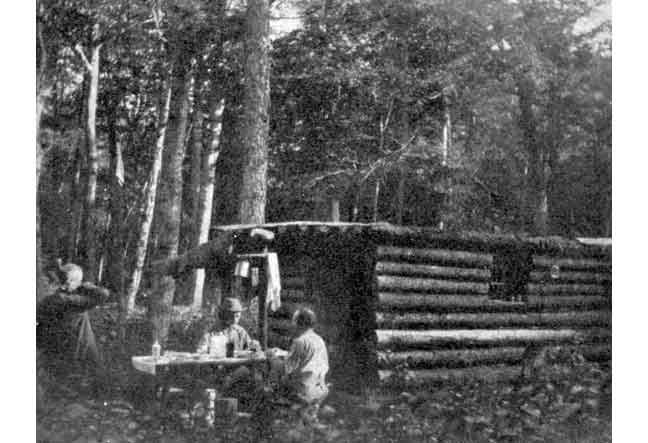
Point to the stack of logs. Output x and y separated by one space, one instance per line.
436 322
569 290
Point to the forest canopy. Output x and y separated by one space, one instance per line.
157 119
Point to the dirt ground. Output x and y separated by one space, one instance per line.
562 403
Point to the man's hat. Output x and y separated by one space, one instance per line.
231 304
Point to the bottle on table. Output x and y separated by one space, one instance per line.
156 350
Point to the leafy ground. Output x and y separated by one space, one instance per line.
560 403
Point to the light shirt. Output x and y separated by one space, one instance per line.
235 334
306 366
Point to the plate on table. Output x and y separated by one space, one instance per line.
276 353
173 356
243 354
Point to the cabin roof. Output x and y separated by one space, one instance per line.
387 233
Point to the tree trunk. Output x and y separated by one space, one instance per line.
357 197
196 165
88 228
446 183
255 124
42 90
76 199
447 134
376 196
206 196
168 208
400 196
149 205
471 130
189 224
334 212
115 243
404 135
536 201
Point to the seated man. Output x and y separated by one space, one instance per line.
239 382
230 315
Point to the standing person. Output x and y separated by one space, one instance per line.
63 329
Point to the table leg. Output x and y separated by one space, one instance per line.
164 391
211 406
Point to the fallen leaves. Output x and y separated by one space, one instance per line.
571 404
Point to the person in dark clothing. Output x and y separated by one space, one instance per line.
63 329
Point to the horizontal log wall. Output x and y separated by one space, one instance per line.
437 286
429 376
540 276
404 339
451 358
438 256
433 271
294 293
551 288
503 363
426 320
435 320
454 303
579 264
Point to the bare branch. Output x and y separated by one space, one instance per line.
312 182
383 126
389 158
84 59
389 112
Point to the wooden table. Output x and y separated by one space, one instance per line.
179 366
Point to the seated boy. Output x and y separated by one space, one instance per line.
302 375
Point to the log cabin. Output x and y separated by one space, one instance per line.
418 305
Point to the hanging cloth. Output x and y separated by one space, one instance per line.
273 294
